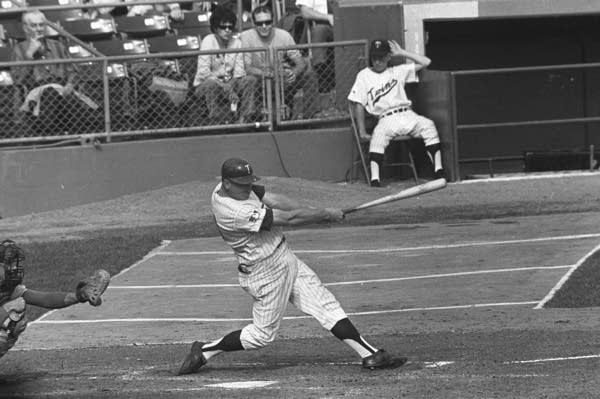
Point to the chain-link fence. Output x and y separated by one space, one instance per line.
141 92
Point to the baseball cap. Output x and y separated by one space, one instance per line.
379 48
238 171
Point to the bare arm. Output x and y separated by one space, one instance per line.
281 202
302 216
289 212
50 300
421 61
313 15
359 116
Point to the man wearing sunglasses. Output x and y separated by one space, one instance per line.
221 79
293 68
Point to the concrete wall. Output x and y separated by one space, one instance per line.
53 178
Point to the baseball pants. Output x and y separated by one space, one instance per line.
272 283
401 124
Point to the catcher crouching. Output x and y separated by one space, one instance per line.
14 296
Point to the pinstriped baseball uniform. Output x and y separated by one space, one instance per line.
383 92
268 270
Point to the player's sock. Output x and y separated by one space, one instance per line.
374 171
435 156
229 343
345 331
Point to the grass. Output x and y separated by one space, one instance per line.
581 289
59 266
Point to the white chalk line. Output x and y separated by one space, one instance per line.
566 277
400 249
552 175
554 359
354 282
214 320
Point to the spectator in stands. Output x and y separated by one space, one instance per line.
221 78
52 100
293 67
172 9
320 23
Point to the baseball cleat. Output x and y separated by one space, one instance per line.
375 183
381 360
440 174
194 360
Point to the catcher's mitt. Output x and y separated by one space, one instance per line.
11 257
91 289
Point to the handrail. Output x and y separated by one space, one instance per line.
76 6
472 72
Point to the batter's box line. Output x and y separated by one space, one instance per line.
214 320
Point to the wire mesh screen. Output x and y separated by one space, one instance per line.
319 92
177 91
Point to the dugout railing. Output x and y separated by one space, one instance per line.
494 120
152 94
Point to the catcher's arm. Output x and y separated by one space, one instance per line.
50 300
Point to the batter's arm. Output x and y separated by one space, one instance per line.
281 202
50 300
421 61
304 216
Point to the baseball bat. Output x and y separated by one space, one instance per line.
408 193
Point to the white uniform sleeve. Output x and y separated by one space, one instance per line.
358 93
249 218
406 73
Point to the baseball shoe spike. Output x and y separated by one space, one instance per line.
375 183
381 360
194 360
440 174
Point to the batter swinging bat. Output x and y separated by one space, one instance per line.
409 192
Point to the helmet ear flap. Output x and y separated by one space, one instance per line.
12 257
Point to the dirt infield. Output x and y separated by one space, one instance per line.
504 352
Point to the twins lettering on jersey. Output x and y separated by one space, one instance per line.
376 94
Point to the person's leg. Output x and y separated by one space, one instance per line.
425 129
380 139
212 93
321 59
311 297
246 87
53 116
310 94
270 287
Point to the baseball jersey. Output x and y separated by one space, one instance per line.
317 5
240 225
379 92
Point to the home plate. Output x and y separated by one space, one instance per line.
242 384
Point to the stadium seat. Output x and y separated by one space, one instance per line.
5 76
90 29
173 43
12 29
59 14
169 44
363 149
194 23
142 26
115 47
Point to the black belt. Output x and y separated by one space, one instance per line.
247 269
394 111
